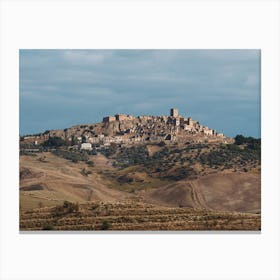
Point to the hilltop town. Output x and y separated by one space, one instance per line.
128 129
139 173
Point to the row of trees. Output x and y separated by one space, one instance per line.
56 141
240 139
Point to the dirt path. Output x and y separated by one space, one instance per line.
198 196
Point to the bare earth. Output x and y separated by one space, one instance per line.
220 201
218 192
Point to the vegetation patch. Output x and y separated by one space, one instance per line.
106 225
66 208
32 188
74 156
54 142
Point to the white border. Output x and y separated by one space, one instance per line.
157 24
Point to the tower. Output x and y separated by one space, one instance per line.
174 112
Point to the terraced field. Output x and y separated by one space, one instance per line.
133 215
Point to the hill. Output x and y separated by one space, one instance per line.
168 177
128 129
168 164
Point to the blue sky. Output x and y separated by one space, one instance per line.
61 88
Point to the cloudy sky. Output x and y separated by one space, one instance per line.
61 88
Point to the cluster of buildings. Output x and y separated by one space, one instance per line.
128 129
118 117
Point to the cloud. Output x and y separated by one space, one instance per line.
84 85
83 57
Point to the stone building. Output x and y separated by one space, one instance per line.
207 131
220 135
177 121
120 117
86 146
190 122
109 119
174 112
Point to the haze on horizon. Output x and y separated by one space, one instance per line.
62 88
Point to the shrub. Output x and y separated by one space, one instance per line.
42 159
106 225
85 172
74 141
48 227
94 206
70 206
239 139
54 142
90 163
233 147
74 156
66 208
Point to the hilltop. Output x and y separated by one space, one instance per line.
128 129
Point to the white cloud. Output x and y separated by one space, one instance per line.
83 57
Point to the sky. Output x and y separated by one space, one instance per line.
62 88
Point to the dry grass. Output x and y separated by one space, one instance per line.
131 215
143 203
62 180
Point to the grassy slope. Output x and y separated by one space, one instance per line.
213 188
62 180
132 215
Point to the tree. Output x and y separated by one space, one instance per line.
239 139
74 141
54 142
90 163
161 144
71 207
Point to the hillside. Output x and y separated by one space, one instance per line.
216 192
47 179
128 129
206 179
133 215
161 162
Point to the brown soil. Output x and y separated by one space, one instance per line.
64 178
212 202
223 192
